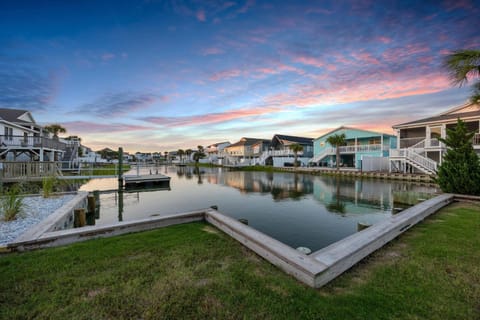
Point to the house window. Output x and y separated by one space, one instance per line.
8 133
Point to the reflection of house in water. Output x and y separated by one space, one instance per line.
358 196
281 186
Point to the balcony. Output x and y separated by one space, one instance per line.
31 142
476 140
362 148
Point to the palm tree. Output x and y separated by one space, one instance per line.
296 148
199 154
462 66
55 129
180 153
336 141
188 152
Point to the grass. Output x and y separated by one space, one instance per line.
48 184
195 271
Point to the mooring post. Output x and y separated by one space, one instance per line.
91 210
79 218
120 168
96 195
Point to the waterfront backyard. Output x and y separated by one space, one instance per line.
196 271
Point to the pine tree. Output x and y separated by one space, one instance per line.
460 168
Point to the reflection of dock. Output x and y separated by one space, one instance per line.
146 179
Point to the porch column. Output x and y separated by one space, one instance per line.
381 144
427 137
355 144
41 154
398 138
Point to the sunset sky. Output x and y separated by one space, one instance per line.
162 75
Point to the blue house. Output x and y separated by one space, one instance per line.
360 145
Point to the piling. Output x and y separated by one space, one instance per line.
91 210
120 168
79 218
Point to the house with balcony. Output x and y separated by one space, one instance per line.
241 152
215 152
279 153
363 150
419 150
22 139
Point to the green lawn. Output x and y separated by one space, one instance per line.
195 271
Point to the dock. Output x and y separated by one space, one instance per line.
146 179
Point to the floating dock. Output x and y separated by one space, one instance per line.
146 179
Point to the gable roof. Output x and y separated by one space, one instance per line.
245 142
13 115
464 111
301 140
351 128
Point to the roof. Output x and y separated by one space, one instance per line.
246 142
295 139
218 143
351 128
451 114
12 115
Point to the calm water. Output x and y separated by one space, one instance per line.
297 209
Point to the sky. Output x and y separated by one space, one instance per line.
161 75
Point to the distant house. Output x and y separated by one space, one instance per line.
279 153
215 152
419 148
25 140
361 146
240 152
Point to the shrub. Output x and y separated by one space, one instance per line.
460 168
11 204
48 185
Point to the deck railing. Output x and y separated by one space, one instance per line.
31 142
12 169
476 139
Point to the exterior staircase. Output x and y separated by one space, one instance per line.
413 157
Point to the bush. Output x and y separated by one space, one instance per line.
11 203
48 184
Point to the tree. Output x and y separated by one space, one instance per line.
336 141
199 154
55 129
296 148
460 168
180 153
462 66
188 152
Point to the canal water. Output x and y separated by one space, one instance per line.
296 209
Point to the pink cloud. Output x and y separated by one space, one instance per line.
87 127
385 40
211 118
365 57
370 86
311 61
201 15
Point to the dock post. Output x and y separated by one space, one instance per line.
120 168
79 218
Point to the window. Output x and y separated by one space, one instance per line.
8 133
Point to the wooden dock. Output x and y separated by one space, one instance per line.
146 179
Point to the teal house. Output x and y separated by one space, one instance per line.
362 148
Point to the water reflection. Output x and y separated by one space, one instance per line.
297 209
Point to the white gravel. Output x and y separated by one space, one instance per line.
35 209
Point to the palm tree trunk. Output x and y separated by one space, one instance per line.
337 158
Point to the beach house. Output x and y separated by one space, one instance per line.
420 150
23 139
364 150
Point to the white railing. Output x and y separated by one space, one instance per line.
320 156
476 139
410 154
